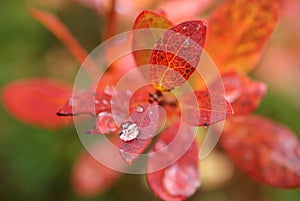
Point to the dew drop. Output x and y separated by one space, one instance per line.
97 102
184 28
181 180
109 90
186 42
105 123
72 102
129 131
139 108
105 102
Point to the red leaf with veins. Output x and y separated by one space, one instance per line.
146 117
180 180
264 150
36 101
177 54
201 108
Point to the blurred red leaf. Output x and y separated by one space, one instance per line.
90 177
238 31
146 117
252 94
179 180
264 150
176 54
203 108
61 32
36 101
146 20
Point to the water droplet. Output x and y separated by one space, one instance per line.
186 42
96 101
128 92
105 102
72 102
181 180
105 123
184 28
139 108
109 90
129 131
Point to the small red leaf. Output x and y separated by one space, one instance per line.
90 177
36 101
252 94
177 54
264 150
180 180
61 32
201 108
147 20
146 117
88 103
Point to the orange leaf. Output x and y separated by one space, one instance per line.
238 31
177 54
201 108
180 179
36 101
146 20
61 32
264 150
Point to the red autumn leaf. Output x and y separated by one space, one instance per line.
145 116
252 94
147 20
90 177
88 102
203 108
36 101
61 32
264 150
177 54
238 31
233 83
179 178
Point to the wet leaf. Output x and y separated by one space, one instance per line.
177 54
146 117
176 152
88 102
36 101
266 151
252 94
201 108
61 32
147 38
238 32
90 177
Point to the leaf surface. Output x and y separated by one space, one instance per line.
264 150
180 180
201 108
238 32
35 101
147 20
177 54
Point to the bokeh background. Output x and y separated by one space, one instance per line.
36 164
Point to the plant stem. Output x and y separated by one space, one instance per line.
111 21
